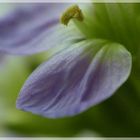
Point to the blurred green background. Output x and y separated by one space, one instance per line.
117 116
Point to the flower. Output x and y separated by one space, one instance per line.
25 28
88 68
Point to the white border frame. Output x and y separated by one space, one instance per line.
69 1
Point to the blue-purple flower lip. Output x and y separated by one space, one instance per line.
71 82
26 29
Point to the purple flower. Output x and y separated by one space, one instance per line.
83 73
26 28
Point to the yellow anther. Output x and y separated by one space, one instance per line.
72 12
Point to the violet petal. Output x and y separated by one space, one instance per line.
74 80
26 28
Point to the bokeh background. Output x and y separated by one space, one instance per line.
119 116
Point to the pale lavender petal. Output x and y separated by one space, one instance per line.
109 69
26 29
75 79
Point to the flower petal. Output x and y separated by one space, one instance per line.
109 69
75 79
25 29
